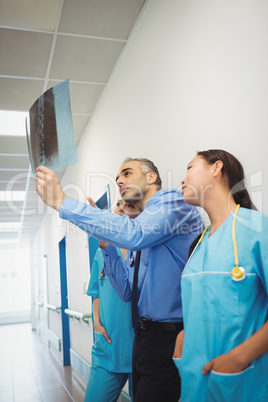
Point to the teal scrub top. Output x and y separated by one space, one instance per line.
115 318
220 313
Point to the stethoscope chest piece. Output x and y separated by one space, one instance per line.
131 260
238 274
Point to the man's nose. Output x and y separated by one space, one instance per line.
119 181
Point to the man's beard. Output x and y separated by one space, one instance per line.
134 196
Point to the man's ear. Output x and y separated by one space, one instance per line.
151 177
217 168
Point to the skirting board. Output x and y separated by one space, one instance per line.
80 365
41 330
54 340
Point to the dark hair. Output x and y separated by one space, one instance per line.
147 166
234 173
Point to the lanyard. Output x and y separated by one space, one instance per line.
237 273
234 238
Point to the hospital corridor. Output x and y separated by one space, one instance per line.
130 132
28 372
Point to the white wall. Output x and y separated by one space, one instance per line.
193 76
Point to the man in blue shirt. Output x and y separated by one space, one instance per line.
164 232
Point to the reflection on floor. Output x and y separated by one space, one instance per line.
29 372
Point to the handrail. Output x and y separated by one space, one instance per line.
53 308
78 315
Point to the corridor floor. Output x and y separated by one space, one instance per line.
30 372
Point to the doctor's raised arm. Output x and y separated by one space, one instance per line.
162 218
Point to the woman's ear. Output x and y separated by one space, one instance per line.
217 168
151 177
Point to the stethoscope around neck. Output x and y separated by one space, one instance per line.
238 273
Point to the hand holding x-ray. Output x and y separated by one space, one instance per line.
49 188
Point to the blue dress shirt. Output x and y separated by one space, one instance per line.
164 232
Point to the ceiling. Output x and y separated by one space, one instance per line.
43 43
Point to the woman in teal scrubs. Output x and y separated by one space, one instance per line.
112 350
222 352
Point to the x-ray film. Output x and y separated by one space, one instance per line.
49 127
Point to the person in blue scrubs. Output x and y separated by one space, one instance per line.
163 232
222 352
111 352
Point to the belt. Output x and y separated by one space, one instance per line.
148 325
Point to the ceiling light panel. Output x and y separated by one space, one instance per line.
8 241
9 226
12 195
12 123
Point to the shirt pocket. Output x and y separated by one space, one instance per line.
101 347
220 297
236 387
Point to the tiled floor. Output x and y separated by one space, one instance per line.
29 372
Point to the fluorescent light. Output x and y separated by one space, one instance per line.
8 241
9 230
10 226
12 123
12 195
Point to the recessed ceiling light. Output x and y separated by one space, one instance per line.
10 226
8 241
12 123
12 195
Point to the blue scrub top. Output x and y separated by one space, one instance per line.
220 313
115 318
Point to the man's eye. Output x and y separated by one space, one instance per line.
131 206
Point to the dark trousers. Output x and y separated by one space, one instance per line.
155 376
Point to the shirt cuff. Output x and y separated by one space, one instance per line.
70 205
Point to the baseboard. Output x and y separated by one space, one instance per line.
80 365
54 340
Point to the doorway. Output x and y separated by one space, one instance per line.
64 303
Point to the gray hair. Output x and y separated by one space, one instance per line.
146 167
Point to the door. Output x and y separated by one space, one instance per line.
64 303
